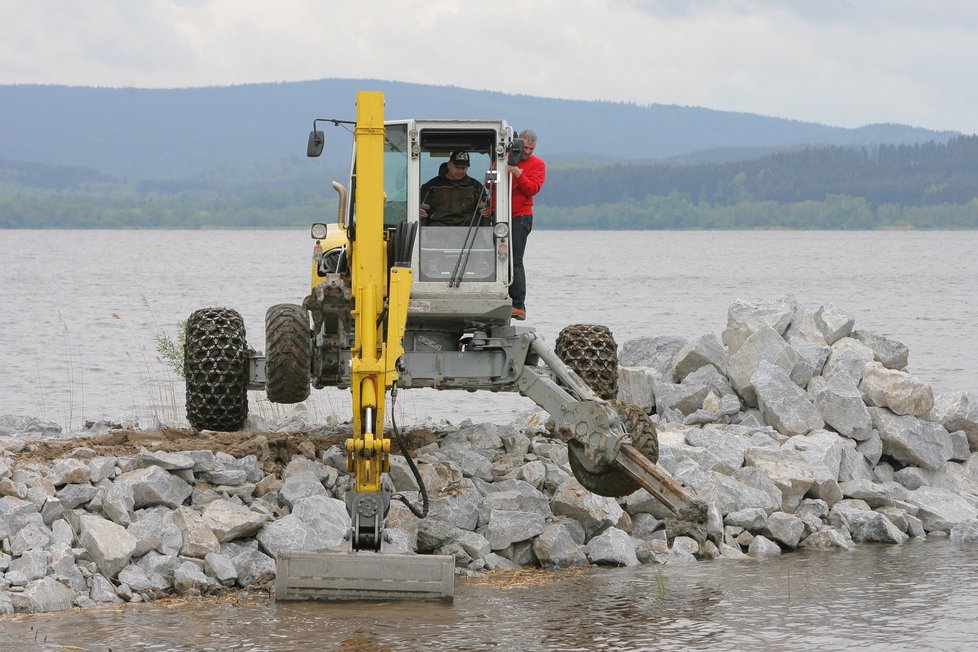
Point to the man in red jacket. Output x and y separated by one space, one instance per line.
528 177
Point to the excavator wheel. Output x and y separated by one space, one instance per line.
288 340
215 366
591 351
607 480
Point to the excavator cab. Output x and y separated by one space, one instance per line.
462 270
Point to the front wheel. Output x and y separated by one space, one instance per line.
215 365
591 351
288 343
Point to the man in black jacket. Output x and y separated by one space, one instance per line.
453 198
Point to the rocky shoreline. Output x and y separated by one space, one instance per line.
799 431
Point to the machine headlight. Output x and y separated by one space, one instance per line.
318 231
500 229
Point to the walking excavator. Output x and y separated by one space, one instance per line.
398 301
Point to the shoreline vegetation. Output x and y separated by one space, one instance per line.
885 187
655 213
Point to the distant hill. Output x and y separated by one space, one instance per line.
927 174
142 134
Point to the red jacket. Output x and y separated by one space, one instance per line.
528 184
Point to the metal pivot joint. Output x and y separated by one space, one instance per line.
368 511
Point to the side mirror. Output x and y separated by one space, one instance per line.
317 140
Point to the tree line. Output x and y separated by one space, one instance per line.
834 212
267 209
928 186
910 175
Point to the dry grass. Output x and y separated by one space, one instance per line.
157 382
230 597
68 414
161 385
521 578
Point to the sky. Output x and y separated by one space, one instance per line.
844 63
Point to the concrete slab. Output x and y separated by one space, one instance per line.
302 575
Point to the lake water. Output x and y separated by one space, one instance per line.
919 596
79 312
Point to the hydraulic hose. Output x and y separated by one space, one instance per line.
423 512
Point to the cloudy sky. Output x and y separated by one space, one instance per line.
839 62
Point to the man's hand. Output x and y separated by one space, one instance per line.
516 171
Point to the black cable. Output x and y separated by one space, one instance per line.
420 513
382 316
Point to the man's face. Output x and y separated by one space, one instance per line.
528 150
457 172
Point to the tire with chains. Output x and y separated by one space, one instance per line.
288 344
591 351
215 365
610 480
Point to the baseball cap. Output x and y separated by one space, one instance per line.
459 158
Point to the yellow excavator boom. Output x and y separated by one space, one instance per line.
368 450
381 295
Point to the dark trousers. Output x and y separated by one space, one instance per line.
522 225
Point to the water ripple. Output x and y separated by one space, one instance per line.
913 597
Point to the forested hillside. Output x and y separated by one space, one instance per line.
286 193
929 186
912 175
226 157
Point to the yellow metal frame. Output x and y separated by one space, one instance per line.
380 298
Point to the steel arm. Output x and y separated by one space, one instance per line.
380 298
594 423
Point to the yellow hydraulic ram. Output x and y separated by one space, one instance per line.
381 296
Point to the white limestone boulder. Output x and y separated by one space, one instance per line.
744 318
897 390
911 440
784 405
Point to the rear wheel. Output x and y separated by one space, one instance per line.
591 351
288 341
215 365
606 479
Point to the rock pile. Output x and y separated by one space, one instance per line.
798 431
804 432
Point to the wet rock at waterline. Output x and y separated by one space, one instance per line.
799 430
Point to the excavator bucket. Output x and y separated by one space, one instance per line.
373 576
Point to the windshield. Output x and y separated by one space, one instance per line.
395 177
395 174
457 253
